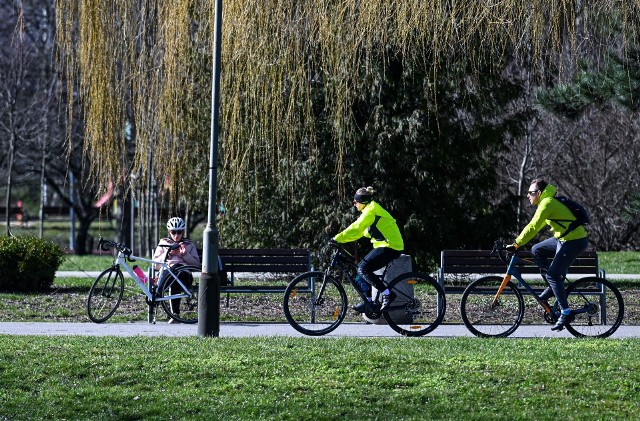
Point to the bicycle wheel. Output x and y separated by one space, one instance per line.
604 305
105 295
419 306
314 303
485 319
184 309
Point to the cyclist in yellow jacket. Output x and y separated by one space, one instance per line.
378 225
555 255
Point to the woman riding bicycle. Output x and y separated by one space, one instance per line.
377 224
186 254
562 248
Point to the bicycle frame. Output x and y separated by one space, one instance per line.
343 261
513 271
121 260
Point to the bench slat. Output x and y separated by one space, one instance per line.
526 270
263 252
239 260
265 268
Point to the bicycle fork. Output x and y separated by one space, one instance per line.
153 305
503 285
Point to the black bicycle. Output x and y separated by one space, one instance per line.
315 303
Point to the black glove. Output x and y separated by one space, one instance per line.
512 247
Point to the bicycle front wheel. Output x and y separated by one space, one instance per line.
487 317
105 295
183 308
314 303
419 306
599 306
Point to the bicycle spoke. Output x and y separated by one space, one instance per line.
105 295
314 307
185 308
485 316
598 305
419 306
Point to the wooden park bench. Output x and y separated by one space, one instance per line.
458 266
269 264
261 270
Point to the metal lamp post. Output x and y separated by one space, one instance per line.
209 289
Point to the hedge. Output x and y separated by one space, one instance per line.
28 264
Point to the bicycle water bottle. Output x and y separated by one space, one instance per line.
140 274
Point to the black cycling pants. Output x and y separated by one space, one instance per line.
374 260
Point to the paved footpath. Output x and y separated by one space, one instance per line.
241 330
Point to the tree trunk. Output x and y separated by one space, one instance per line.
83 243
11 156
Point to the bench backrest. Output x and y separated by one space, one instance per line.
481 261
264 260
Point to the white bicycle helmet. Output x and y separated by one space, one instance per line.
175 224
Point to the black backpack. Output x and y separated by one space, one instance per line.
578 211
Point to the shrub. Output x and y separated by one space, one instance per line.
28 263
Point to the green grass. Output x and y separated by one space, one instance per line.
620 261
85 263
309 378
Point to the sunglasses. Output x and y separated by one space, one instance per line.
532 193
175 232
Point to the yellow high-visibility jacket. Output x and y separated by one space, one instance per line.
550 212
374 223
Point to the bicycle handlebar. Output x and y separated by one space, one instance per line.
341 252
499 248
107 245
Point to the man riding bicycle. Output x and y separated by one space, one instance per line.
562 248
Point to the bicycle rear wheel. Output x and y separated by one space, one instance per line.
184 309
314 303
419 306
487 319
105 295
604 305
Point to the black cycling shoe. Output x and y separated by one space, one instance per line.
386 300
562 321
362 307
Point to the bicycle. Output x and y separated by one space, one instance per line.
494 307
315 303
178 300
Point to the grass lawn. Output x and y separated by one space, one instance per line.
620 261
308 378
86 378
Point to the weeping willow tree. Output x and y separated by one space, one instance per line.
147 64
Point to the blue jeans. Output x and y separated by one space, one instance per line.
374 260
563 253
